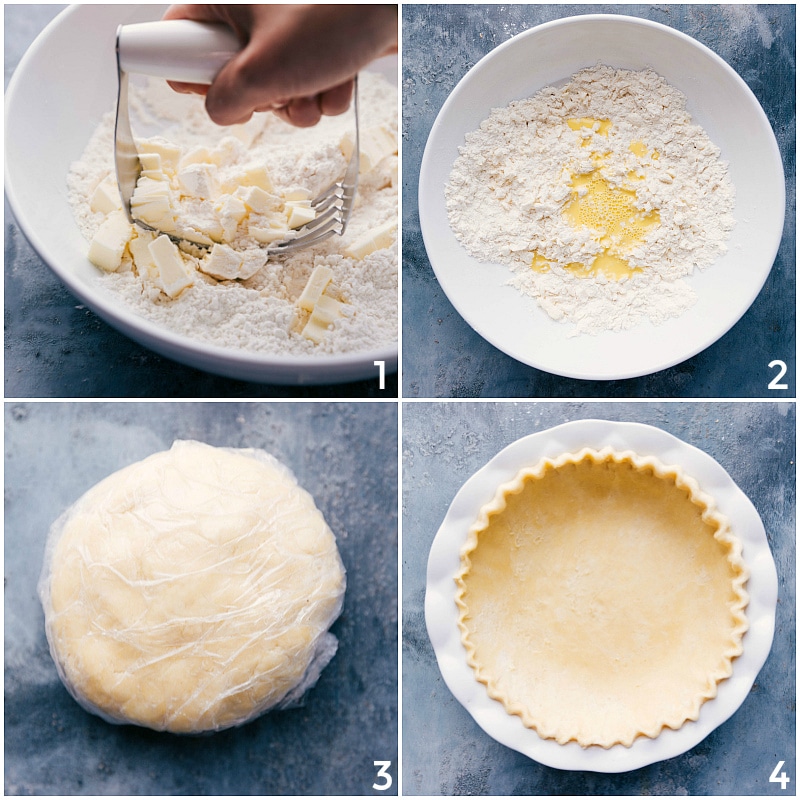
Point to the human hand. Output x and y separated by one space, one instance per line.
297 60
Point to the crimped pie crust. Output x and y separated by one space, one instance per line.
601 597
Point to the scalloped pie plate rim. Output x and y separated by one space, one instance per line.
444 565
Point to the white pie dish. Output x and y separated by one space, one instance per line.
441 612
64 84
718 100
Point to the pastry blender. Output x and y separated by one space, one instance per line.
194 52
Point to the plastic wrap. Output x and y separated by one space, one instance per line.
192 591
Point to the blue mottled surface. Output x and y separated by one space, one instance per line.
443 356
444 750
345 455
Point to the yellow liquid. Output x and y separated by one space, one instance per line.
609 211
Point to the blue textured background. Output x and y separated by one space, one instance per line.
442 355
345 455
444 750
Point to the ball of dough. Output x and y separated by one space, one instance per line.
192 591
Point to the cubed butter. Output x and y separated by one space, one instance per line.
173 273
297 194
223 263
300 215
108 244
151 166
140 251
198 180
199 155
316 285
166 151
374 145
154 210
147 185
325 312
375 239
255 176
267 234
231 211
257 199
105 197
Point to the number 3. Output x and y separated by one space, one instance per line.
382 773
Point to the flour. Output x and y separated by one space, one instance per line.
259 314
518 183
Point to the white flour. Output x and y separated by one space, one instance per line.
259 314
515 177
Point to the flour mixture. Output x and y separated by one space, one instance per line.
600 195
236 189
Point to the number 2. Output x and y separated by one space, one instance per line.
781 365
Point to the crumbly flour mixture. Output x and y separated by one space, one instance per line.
246 304
601 195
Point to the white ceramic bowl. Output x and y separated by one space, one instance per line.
441 613
718 100
62 87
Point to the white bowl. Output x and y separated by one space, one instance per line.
441 613
62 87
718 100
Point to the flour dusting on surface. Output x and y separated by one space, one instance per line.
259 314
601 195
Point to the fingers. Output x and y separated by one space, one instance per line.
336 100
297 60
188 88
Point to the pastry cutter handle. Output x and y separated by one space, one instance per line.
177 50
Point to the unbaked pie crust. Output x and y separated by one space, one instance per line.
601 597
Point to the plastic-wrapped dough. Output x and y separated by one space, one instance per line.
192 591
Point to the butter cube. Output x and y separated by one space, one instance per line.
105 198
166 151
257 199
199 155
300 215
375 239
296 194
256 176
374 145
267 234
147 185
173 274
198 180
154 210
151 166
229 150
325 312
225 263
317 283
139 248
231 211
108 244
222 262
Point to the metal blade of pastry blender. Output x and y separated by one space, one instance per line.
126 158
178 50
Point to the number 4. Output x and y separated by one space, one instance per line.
387 778
782 779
